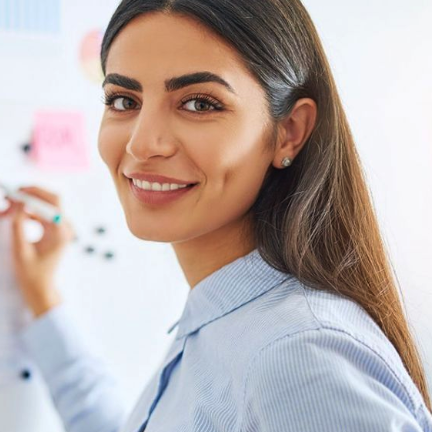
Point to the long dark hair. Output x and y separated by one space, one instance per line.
314 220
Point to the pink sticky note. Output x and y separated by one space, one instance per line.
59 141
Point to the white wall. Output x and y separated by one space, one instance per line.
381 57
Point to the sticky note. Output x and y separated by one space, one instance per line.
59 141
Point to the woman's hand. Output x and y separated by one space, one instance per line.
35 264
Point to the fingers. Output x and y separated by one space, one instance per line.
18 236
65 228
12 207
4 213
43 194
17 205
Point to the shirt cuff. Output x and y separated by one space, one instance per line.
53 339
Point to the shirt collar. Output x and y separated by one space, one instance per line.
226 289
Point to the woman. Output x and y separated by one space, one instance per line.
293 321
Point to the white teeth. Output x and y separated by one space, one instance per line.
157 186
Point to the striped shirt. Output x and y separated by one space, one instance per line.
254 351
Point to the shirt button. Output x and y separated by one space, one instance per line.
25 374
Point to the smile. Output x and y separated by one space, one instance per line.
159 196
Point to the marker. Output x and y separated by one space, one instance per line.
34 205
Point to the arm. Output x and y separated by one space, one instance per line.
324 380
83 391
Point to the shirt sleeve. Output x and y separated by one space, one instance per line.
84 392
324 380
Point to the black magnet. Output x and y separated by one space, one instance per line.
109 255
100 230
26 148
25 374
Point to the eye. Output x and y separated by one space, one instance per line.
119 102
124 104
197 103
202 103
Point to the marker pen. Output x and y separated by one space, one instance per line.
34 205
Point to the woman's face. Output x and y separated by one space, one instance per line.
219 143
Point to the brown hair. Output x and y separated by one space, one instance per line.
315 219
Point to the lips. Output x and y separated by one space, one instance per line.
158 197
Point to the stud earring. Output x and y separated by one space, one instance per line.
286 162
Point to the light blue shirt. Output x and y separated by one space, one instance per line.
255 351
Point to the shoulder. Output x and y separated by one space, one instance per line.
296 309
328 376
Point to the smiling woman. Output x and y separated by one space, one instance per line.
293 321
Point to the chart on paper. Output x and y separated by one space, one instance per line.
30 16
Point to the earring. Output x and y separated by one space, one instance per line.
286 162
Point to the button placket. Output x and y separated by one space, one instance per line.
172 358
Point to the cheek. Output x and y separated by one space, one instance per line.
215 148
231 156
233 164
110 144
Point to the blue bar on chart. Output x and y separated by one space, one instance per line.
30 16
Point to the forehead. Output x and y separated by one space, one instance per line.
156 46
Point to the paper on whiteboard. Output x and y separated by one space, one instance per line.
59 141
32 17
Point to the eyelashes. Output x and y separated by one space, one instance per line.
217 106
110 99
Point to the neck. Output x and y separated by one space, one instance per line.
203 255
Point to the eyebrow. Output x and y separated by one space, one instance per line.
172 84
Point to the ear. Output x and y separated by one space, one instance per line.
295 130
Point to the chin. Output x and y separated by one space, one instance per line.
144 233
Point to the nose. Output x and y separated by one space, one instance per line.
150 136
